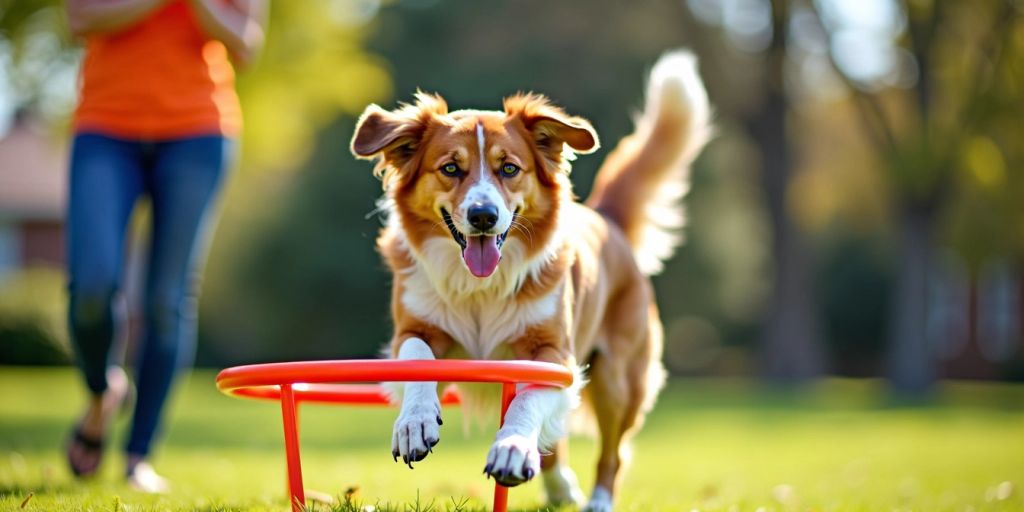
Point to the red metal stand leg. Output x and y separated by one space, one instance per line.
298 432
291 448
508 392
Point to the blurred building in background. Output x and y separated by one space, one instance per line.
33 185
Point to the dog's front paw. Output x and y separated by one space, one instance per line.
513 459
416 432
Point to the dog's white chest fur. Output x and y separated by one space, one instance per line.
480 314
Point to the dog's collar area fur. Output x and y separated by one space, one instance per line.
461 239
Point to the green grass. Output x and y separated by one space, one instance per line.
709 445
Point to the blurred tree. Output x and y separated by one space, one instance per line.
37 58
790 342
944 117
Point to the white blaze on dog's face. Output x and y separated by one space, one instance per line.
482 219
477 178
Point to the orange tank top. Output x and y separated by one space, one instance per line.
162 78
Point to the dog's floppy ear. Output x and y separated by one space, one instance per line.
393 137
551 128
378 129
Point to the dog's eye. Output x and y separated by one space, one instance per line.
450 169
509 170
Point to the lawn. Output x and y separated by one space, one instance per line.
709 445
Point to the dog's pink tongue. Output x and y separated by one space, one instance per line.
481 255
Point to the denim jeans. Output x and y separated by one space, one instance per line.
182 178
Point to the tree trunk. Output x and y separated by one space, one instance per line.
912 358
790 345
790 350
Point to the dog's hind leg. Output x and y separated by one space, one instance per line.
560 483
623 388
610 394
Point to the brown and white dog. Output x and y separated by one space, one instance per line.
493 259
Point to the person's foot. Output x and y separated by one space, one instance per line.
85 448
143 478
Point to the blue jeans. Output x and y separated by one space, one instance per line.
182 178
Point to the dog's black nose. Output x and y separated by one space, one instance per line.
482 216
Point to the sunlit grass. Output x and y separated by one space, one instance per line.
710 445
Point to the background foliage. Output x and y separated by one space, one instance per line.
845 130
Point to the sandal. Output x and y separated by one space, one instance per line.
87 447
84 451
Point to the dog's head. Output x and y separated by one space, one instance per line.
472 176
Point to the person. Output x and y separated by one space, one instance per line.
157 116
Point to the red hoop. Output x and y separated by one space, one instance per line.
317 381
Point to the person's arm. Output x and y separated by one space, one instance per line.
239 25
89 17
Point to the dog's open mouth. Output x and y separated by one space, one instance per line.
481 253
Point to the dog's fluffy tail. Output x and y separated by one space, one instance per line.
642 182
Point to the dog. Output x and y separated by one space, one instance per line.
492 258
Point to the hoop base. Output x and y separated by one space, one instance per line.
316 381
